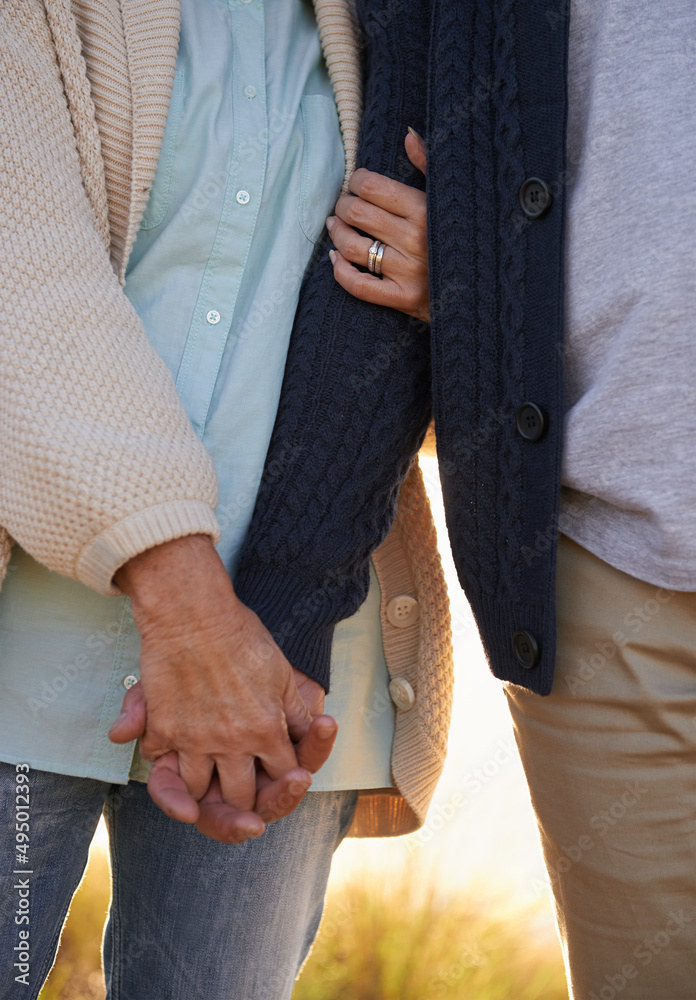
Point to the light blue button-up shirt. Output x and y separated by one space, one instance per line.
251 164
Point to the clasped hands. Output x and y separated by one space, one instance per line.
234 732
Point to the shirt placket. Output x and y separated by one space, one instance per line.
213 318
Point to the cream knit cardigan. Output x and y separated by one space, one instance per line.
98 460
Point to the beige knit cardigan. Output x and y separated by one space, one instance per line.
98 461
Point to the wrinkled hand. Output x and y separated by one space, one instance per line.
395 214
275 799
216 689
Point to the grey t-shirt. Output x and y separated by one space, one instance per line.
629 469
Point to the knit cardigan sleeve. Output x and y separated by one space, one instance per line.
355 402
98 459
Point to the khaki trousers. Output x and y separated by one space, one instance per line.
610 757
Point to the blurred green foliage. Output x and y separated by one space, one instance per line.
375 943
401 943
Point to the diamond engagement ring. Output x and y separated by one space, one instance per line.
372 256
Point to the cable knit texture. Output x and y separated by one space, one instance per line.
98 459
354 409
496 288
496 292
355 404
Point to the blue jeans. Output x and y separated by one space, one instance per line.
190 919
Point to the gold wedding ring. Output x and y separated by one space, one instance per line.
372 255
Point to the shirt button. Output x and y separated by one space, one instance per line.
129 681
250 92
535 197
525 648
243 197
402 694
530 422
213 317
245 2
403 611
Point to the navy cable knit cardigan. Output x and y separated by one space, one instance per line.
361 381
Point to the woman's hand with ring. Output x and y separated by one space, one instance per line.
395 215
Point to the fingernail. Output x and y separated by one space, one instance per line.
301 785
331 222
325 732
415 134
332 256
246 833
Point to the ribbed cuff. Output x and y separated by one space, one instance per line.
301 617
137 533
498 621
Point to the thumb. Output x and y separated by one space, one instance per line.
415 149
314 749
131 722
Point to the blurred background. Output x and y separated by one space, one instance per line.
458 910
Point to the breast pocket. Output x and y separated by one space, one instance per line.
158 202
322 163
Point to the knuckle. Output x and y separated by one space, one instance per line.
270 728
370 185
419 212
412 297
342 205
355 212
357 179
416 244
352 246
285 801
362 287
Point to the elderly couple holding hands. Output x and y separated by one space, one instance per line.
232 305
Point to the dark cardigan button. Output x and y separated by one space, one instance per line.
525 648
535 197
530 422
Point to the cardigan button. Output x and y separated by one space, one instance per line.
530 422
402 694
535 197
403 611
525 648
